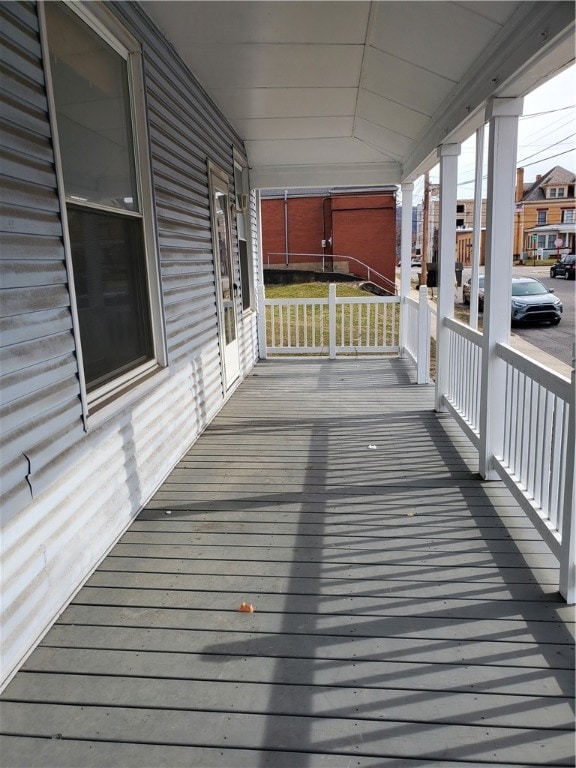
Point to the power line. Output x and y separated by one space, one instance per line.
548 147
548 112
526 139
537 162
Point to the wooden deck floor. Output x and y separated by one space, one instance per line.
405 612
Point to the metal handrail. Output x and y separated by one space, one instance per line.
388 285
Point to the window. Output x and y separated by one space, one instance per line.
561 191
106 199
243 230
552 192
568 216
542 217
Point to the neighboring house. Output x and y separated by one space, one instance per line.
545 214
464 245
329 225
127 294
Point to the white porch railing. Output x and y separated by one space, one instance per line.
537 436
332 326
463 396
417 317
537 450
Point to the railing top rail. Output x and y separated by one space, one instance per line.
296 302
559 385
474 337
339 300
367 300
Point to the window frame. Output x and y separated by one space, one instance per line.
97 405
541 213
568 216
241 166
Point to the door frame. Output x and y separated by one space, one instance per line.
219 181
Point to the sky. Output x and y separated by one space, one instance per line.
546 136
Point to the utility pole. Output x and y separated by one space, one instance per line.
425 226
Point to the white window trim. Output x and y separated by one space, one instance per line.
108 399
241 164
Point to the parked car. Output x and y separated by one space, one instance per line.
467 289
565 267
533 302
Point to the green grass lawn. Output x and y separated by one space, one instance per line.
312 291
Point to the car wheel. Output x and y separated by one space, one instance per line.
552 273
555 321
566 276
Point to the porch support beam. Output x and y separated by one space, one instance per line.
448 155
405 253
502 115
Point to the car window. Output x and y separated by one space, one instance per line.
528 289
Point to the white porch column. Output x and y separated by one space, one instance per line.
259 284
477 233
448 155
405 253
502 115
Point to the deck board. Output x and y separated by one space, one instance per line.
406 612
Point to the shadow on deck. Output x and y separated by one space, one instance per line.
406 613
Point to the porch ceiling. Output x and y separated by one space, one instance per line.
359 92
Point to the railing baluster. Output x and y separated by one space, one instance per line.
555 462
507 416
539 447
532 439
562 463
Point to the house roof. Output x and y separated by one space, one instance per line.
339 93
537 190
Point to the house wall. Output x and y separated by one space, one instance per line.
365 227
361 226
304 218
69 492
464 244
526 218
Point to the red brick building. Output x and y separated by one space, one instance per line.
346 231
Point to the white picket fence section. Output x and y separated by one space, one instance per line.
537 461
464 380
537 438
417 317
332 326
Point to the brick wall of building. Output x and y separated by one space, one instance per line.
362 226
365 227
304 229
